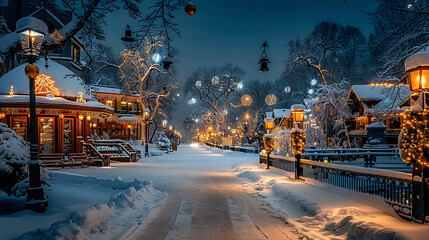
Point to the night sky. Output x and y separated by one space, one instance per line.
226 31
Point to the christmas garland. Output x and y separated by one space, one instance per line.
298 141
269 144
414 138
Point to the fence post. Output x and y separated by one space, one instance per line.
420 198
298 166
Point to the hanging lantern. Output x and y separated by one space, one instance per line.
417 68
166 62
269 123
128 35
31 33
264 60
190 8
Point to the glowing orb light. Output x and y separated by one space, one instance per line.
270 99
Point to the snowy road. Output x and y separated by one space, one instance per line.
205 198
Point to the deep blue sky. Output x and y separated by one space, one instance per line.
231 31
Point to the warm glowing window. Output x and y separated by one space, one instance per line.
361 123
109 103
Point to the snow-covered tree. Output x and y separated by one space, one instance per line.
163 141
332 52
218 88
400 30
14 154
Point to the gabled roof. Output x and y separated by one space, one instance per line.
68 83
387 97
280 113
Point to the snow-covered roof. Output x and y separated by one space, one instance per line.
109 89
127 117
298 107
280 113
56 102
31 23
420 58
68 83
368 92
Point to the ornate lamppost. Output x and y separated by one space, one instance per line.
164 125
414 137
146 115
297 137
31 32
268 139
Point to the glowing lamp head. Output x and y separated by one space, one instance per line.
170 128
269 123
61 116
417 69
88 118
31 33
234 132
297 111
164 123
80 117
146 113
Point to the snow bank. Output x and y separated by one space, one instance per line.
323 211
135 202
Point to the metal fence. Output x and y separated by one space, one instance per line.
395 187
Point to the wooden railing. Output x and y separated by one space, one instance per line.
395 187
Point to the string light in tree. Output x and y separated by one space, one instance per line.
414 138
297 140
45 85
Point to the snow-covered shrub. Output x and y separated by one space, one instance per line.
163 141
14 154
282 142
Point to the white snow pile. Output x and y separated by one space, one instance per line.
14 154
130 208
323 211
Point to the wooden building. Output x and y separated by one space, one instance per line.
65 109
127 122
375 102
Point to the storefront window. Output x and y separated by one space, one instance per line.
68 135
19 125
46 131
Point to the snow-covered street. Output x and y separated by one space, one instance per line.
200 192
205 198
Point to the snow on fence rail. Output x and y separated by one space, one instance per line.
234 148
395 187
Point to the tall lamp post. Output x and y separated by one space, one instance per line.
268 139
146 115
297 137
31 32
414 138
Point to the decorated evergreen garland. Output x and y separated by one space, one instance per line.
269 144
297 140
414 138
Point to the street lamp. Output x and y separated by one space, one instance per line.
414 135
269 123
164 124
268 139
31 32
146 115
297 112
